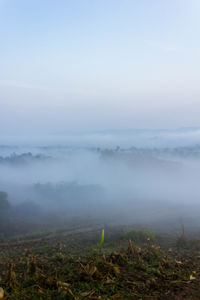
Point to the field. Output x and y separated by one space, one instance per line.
51 240
132 262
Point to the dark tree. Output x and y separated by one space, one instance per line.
4 203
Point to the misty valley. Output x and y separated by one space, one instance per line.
85 222
99 150
154 186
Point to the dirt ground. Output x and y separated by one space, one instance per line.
70 264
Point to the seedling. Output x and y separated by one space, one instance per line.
102 237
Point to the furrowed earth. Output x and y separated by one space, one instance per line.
70 263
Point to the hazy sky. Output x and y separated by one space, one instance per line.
98 64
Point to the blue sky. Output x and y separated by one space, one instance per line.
70 65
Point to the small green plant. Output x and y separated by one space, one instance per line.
102 237
98 248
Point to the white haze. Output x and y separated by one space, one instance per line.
108 138
146 184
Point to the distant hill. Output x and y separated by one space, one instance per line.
151 138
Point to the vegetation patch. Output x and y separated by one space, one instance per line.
140 235
67 268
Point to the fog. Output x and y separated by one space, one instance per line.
118 184
104 139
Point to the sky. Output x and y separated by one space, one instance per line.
86 65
